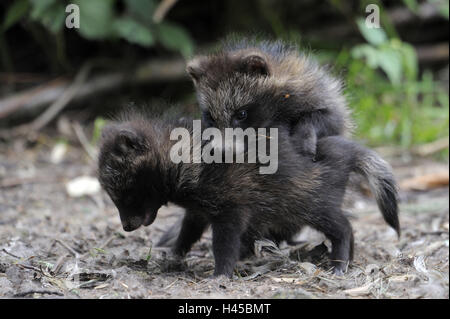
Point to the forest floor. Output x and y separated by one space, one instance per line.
53 245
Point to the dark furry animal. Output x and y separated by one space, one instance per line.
241 204
267 84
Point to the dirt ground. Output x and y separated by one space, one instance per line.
56 246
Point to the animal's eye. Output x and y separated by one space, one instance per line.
241 115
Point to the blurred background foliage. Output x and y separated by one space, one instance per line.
396 76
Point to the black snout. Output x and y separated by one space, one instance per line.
128 227
130 222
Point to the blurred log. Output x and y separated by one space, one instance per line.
64 98
431 148
426 182
37 98
433 52
425 12
41 95
423 150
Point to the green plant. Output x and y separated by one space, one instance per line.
99 124
396 106
100 20
396 58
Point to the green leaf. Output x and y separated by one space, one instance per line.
375 36
142 9
96 18
40 6
15 12
368 52
390 62
174 37
51 13
133 31
99 124
412 5
410 61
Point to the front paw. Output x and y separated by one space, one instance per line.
310 154
178 252
307 150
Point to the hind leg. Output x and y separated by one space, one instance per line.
338 230
247 247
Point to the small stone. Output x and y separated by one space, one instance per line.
83 185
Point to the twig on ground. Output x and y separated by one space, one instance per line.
57 267
170 285
12 255
71 250
30 267
44 273
107 242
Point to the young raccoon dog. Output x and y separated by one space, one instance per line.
239 203
249 78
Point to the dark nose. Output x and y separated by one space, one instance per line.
130 223
128 227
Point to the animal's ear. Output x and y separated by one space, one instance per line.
254 65
195 69
129 142
108 130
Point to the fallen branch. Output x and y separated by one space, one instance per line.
34 99
59 263
12 255
431 148
63 100
420 150
29 99
426 182
69 249
29 267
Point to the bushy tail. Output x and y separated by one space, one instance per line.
382 183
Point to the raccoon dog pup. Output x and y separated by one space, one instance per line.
239 203
248 78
